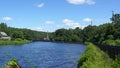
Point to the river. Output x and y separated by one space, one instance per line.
43 54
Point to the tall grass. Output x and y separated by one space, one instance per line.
116 63
16 42
94 58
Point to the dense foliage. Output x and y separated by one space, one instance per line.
64 35
108 33
21 33
94 58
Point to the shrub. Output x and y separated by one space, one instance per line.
112 42
109 42
18 39
118 42
12 64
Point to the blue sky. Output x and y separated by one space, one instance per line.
49 15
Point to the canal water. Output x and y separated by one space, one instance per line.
43 54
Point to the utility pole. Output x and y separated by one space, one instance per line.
113 17
112 12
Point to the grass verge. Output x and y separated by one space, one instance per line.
94 58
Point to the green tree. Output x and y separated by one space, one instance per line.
116 19
17 34
89 33
3 27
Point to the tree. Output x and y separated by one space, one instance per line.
17 34
89 33
21 33
3 27
116 19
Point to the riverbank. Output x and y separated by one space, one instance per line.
94 58
14 42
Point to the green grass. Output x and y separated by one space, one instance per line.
15 42
116 63
94 58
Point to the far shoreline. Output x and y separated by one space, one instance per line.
14 42
59 42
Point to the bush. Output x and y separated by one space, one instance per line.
18 39
118 42
112 42
109 42
12 64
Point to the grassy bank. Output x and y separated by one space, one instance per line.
16 42
94 58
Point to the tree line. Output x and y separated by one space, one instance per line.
108 33
23 33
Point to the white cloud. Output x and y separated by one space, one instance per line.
76 2
90 2
38 29
87 19
49 22
40 5
80 2
7 18
71 23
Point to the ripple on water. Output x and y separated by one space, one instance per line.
44 54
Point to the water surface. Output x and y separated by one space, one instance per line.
43 54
